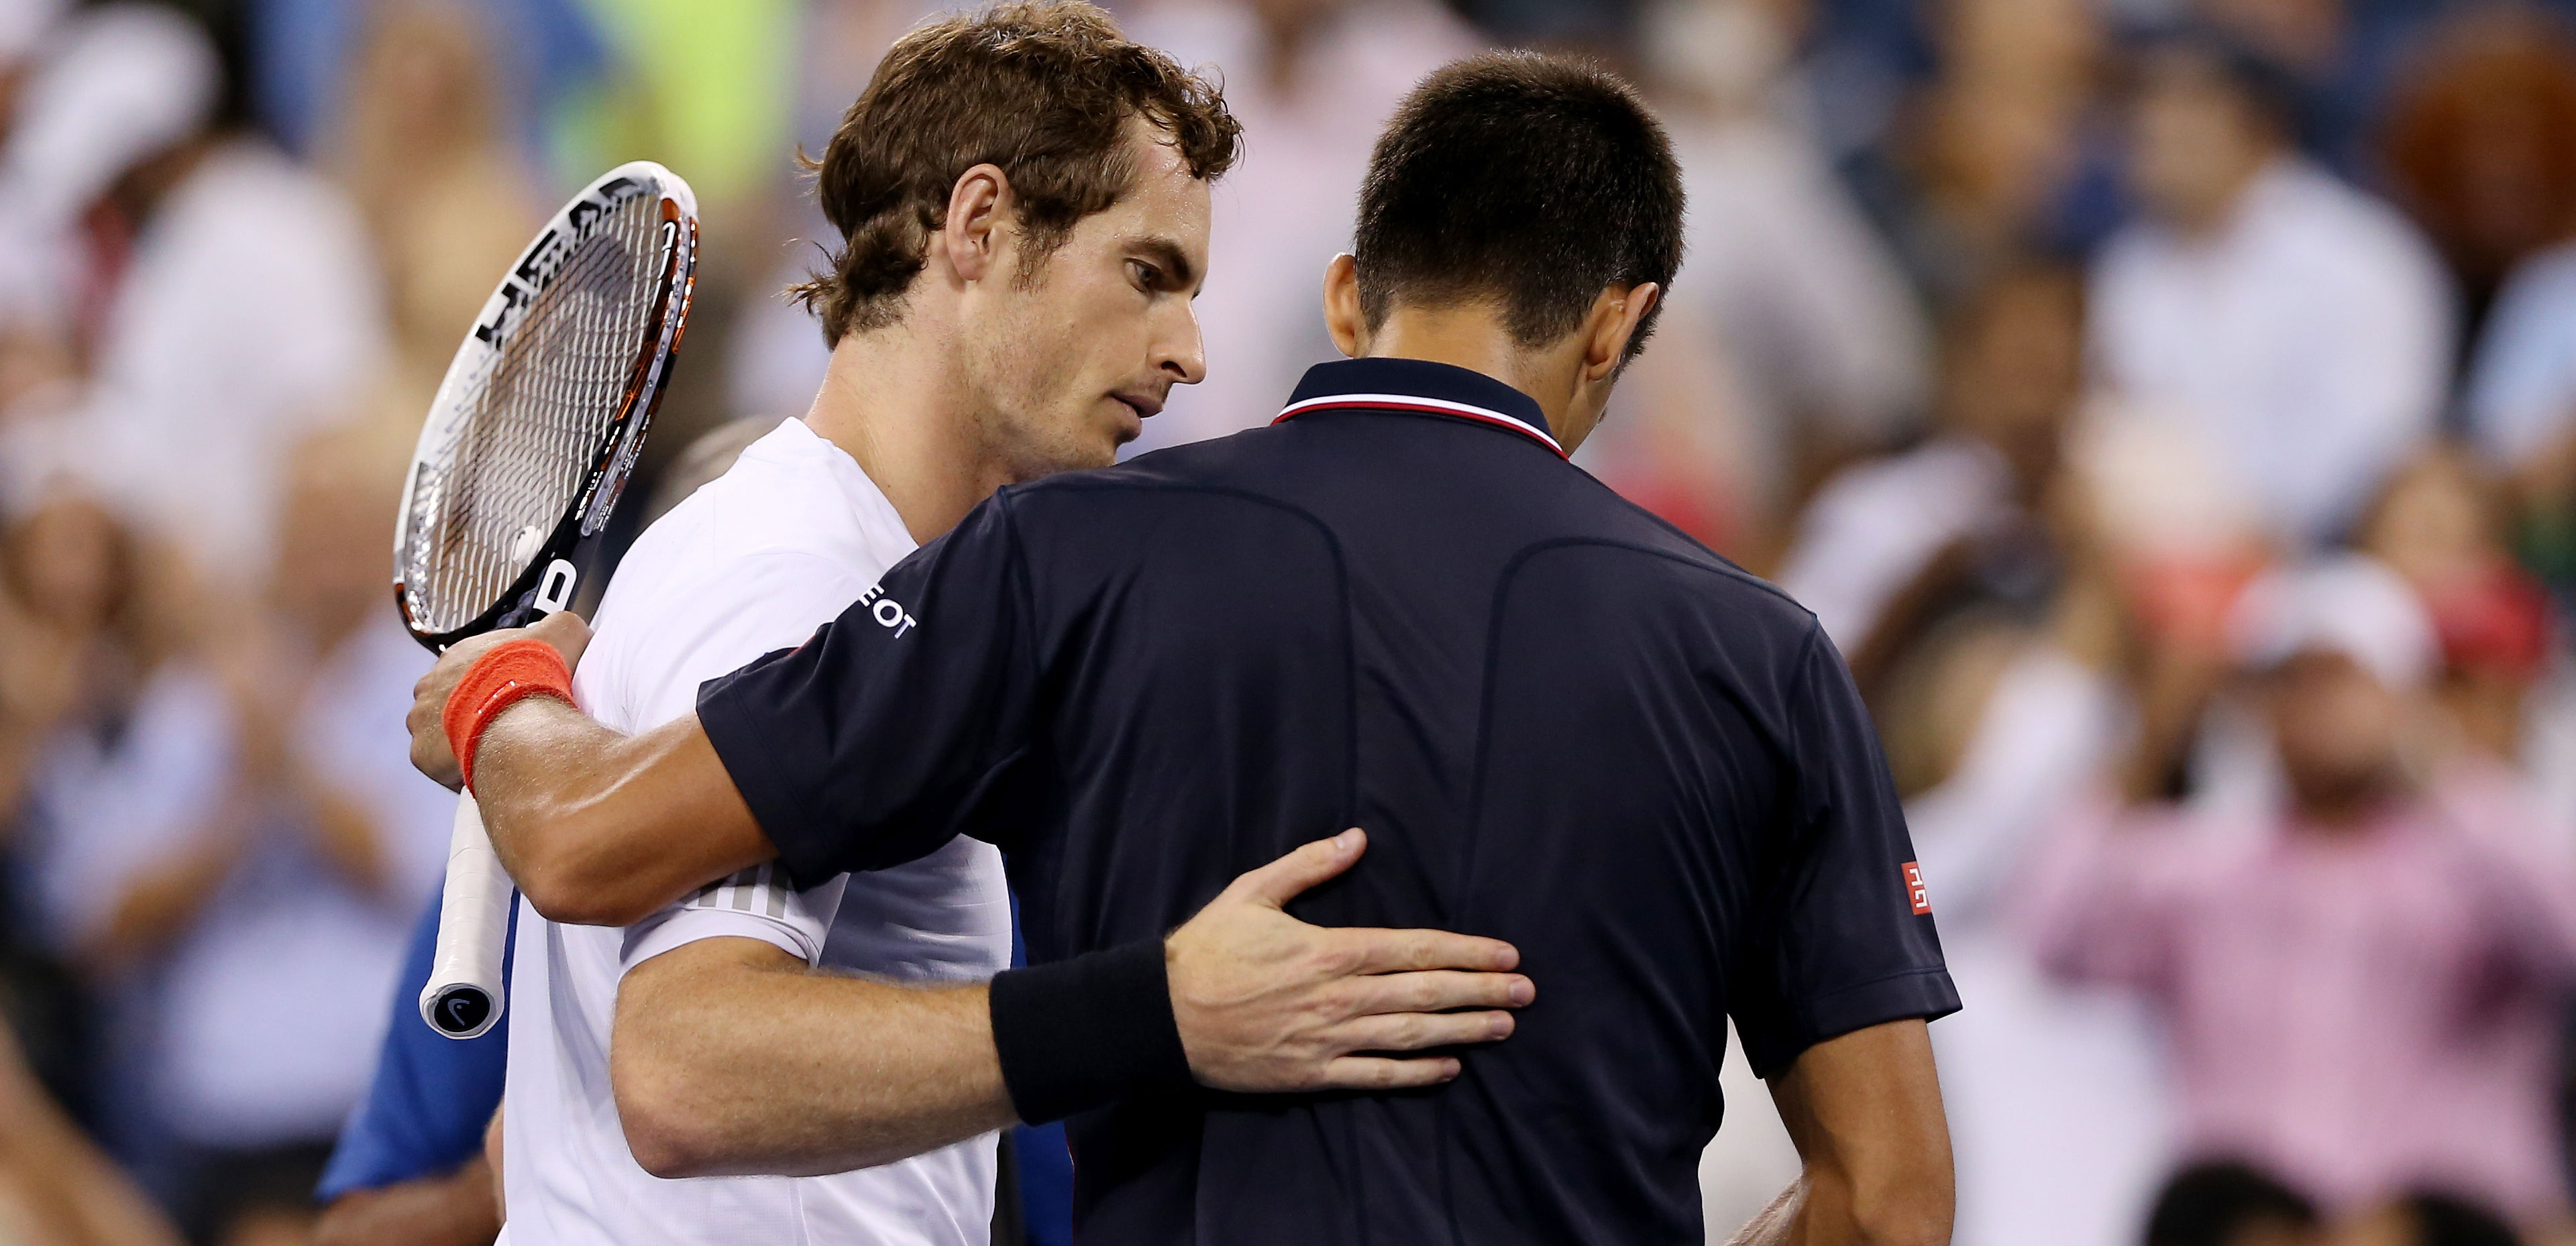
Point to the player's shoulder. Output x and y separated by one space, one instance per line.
1242 465
1582 511
1188 465
781 541
791 497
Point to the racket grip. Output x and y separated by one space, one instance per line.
463 997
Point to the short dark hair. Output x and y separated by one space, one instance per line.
1041 90
2453 1220
2207 1203
2268 87
1533 181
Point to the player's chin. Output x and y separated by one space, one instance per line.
1126 422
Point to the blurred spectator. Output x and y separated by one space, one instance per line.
445 198
33 268
774 351
2338 56
2006 152
1312 81
119 734
1857 61
2303 327
237 859
409 1168
2428 1220
708 89
2480 144
124 746
55 1187
2011 372
1942 573
2520 402
2506 684
2362 979
2230 1204
2440 526
2058 1110
242 305
285 940
307 62
1827 347
23 26
56 566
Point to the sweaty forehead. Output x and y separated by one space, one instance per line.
1163 184
1163 203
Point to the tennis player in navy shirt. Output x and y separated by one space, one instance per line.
1560 721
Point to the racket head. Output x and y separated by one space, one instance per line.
541 416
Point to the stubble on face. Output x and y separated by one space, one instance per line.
1078 343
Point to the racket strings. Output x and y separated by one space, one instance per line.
524 432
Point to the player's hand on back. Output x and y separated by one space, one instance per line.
429 748
1268 1003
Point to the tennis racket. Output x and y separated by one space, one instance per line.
529 441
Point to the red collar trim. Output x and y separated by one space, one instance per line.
1426 406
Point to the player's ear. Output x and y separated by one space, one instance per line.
1342 316
979 205
1613 321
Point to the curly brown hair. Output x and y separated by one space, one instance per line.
1042 91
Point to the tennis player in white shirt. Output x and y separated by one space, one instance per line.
751 562
980 350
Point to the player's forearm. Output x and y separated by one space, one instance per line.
599 828
1865 1112
730 1057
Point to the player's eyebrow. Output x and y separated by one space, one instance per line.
1174 261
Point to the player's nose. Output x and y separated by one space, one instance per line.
1182 355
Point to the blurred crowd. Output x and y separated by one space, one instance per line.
2167 406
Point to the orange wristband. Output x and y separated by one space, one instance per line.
507 674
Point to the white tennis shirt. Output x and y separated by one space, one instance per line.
752 562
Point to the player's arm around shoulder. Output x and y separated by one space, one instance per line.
596 827
731 1056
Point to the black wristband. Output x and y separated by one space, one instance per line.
1084 1033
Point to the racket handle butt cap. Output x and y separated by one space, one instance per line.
460 1010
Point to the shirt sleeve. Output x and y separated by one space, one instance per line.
874 742
758 903
766 600
1843 936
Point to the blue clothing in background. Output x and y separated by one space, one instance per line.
301 52
1046 1183
432 1095
1046 1163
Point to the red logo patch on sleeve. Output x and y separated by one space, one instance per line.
1914 888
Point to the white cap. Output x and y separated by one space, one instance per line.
2349 604
118 83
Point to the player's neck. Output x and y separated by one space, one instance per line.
1473 336
891 401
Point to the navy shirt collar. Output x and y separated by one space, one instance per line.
1420 385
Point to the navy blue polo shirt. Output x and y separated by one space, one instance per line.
1562 722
